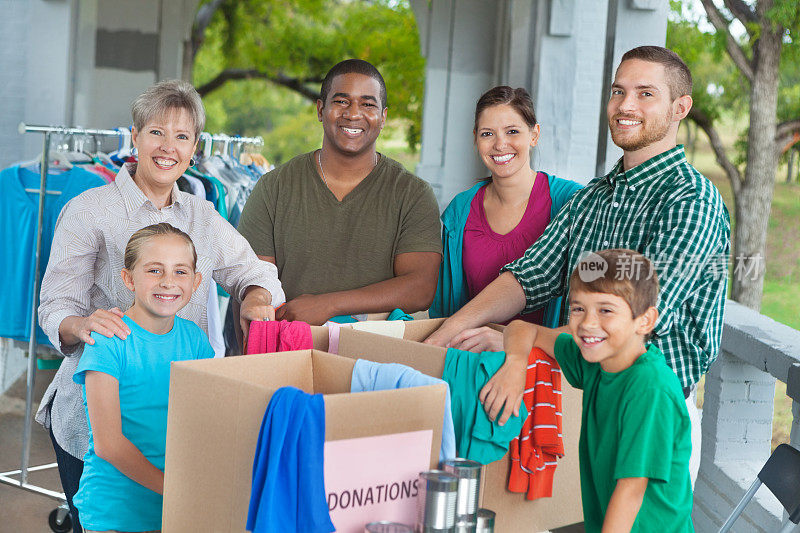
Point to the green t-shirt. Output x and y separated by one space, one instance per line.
323 245
634 424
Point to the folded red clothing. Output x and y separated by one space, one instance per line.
540 443
270 336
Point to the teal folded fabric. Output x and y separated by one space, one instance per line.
477 437
399 314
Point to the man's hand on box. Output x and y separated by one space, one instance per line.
312 308
483 339
503 392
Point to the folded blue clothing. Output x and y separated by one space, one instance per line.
370 376
478 438
288 492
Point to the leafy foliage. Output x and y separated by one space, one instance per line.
719 86
300 41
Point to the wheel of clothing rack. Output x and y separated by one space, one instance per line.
60 520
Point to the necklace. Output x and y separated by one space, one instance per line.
322 170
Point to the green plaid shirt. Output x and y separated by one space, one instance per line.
669 212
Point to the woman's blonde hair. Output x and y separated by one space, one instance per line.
136 241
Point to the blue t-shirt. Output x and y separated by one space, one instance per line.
18 215
108 499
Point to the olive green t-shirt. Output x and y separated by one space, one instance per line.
322 245
634 424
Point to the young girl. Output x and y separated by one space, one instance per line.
126 384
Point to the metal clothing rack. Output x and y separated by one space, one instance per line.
8 477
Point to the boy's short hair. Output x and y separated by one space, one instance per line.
136 241
621 272
679 77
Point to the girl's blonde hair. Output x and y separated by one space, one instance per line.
136 241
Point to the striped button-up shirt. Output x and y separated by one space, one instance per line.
83 275
673 215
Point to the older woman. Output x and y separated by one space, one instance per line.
82 290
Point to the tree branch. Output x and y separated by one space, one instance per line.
743 12
786 133
720 23
201 22
704 121
296 84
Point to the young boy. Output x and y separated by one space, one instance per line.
635 430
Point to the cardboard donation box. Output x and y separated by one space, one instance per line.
514 512
376 443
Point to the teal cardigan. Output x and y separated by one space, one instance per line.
452 293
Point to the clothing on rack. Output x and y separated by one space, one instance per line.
215 321
288 489
477 437
370 376
535 450
271 336
19 207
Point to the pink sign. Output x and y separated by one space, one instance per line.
375 478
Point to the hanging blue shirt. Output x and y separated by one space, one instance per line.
19 211
288 492
107 499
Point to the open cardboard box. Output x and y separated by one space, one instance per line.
514 511
215 411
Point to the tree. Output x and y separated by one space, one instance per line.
759 71
293 44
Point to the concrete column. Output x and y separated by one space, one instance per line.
459 43
629 23
568 85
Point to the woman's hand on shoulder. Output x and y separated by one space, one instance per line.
107 322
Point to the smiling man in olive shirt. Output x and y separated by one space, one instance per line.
350 230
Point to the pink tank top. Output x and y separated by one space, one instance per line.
486 252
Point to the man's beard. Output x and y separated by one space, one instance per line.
650 132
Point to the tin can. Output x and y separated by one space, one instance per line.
469 479
387 527
485 521
436 502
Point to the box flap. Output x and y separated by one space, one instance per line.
385 412
332 374
267 370
319 336
426 358
419 330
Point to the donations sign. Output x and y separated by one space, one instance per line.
375 478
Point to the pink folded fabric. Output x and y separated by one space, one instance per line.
333 337
272 336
